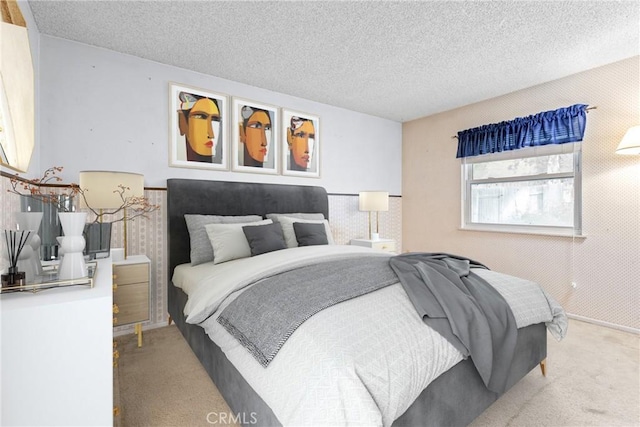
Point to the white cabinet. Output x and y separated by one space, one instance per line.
56 353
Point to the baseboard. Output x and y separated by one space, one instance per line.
603 323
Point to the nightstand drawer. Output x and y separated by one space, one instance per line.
133 302
389 246
134 273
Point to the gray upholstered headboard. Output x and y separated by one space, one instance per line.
189 196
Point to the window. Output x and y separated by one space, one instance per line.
529 190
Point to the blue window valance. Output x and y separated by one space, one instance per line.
549 127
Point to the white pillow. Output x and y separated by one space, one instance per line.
290 235
201 250
228 240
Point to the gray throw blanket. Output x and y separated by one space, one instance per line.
464 309
264 316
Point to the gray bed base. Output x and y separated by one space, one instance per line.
455 398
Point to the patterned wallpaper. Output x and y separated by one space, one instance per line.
148 237
10 204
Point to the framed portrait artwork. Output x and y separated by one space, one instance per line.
300 144
198 128
255 130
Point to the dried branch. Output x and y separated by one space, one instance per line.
36 189
139 205
33 188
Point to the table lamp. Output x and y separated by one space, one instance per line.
374 201
101 192
630 143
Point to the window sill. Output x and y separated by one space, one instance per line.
565 234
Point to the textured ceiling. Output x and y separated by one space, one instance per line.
397 60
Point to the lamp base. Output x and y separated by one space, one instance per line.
117 254
375 236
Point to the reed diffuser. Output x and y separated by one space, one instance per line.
15 241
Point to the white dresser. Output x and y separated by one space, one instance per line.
56 354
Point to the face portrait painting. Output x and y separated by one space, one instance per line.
255 132
301 142
199 123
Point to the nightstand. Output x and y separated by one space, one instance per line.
131 277
387 245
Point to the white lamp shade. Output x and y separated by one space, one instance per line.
630 143
373 201
100 188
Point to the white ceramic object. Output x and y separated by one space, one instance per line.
72 265
29 259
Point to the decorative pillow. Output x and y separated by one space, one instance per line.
228 240
201 250
290 235
310 234
265 238
275 217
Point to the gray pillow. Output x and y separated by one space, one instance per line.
201 250
309 234
264 238
290 235
275 216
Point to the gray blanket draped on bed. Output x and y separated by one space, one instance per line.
463 308
263 317
447 295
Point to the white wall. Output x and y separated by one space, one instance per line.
104 110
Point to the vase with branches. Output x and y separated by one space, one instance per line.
41 189
47 190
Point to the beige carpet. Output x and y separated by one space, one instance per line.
592 379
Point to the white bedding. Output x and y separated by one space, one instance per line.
360 362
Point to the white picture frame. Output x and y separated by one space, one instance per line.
251 138
207 151
300 154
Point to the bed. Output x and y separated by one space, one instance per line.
454 397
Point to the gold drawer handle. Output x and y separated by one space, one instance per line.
116 355
115 287
116 411
116 310
115 320
115 344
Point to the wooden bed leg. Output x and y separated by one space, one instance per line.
543 367
170 319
